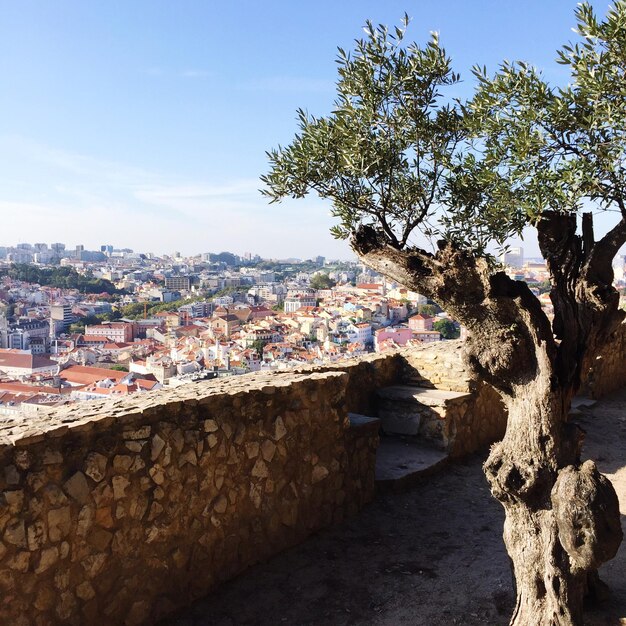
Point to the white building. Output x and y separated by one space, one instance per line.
514 257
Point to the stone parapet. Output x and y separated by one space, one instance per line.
607 372
466 427
120 512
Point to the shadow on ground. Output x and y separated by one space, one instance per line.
431 556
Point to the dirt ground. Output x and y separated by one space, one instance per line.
431 556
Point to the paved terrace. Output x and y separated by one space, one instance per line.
431 556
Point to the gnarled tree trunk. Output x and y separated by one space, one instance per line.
562 517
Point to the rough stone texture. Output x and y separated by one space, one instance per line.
464 428
120 512
607 372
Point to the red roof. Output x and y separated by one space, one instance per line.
23 387
82 375
23 360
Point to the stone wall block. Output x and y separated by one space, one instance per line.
227 429
252 449
137 433
318 474
259 469
210 426
35 480
51 457
157 445
15 533
135 446
47 558
93 564
85 590
138 465
157 474
59 523
36 535
13 500
119 484
177 440
11 475
188 456
77 487
22 459
122 463
19 562
268 450
95 466
279 429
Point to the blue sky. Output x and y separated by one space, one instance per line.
144 123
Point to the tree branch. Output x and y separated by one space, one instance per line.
505 319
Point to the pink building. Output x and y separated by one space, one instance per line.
400 336
421 322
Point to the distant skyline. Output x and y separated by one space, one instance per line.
145 124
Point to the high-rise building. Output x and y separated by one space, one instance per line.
514 257
178 282
60 317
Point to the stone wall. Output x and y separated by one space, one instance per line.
364 377
438 365
471 424
608 371
118 513
468 426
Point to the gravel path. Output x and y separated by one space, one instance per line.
432 556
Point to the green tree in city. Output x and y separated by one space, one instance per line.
428 309
257 346
447 329
403 163
322 281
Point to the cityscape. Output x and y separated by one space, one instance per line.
78 325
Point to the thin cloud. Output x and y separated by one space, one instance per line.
288 84
93 201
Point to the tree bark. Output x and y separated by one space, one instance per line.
562 518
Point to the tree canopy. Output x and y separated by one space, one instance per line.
447 328
322 281
400 154
60 277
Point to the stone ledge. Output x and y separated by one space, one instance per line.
100 415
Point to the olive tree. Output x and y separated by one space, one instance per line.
428 189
